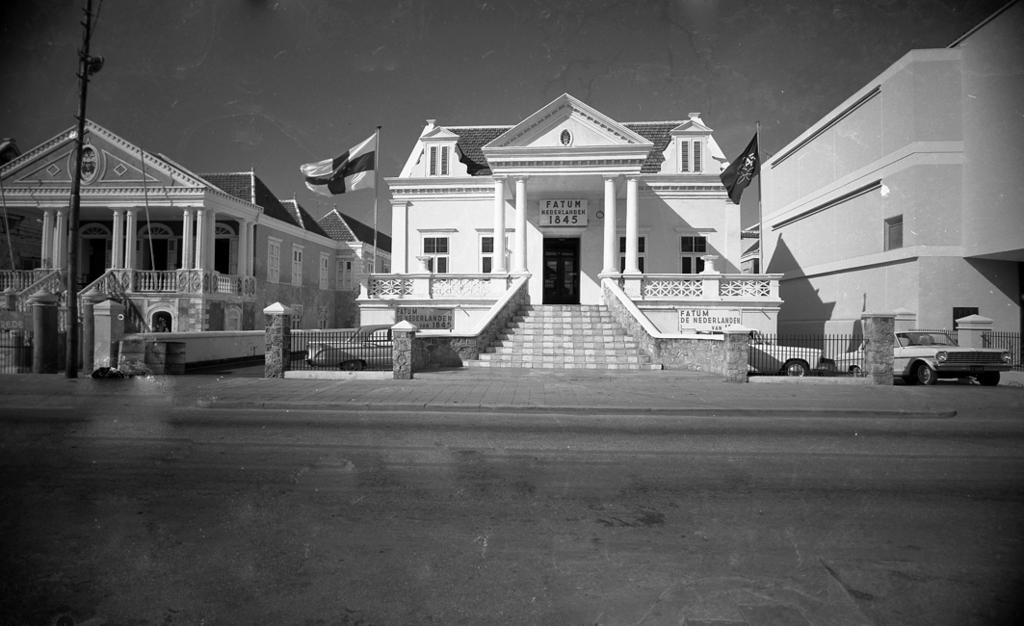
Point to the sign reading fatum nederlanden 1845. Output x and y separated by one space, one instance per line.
708 320
425 318
563 212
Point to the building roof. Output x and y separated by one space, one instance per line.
341 227
248 187
302 216
473 138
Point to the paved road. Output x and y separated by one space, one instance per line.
151 510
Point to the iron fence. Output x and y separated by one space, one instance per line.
15 353
341 349
806 355
1008 341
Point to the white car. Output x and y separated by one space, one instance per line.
924 356
767 357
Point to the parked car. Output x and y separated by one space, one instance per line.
369 347
851 362
767 357
923 356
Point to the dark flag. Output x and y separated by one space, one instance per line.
740 172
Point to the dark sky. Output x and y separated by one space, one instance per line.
230 85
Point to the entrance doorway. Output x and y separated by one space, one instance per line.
562 270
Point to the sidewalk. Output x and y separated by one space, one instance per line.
668 392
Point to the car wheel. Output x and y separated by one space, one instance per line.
855 370
796 368
352 366
924 374
989 379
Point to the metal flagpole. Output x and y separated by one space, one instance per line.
376 195
760 226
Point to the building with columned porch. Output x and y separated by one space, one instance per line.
568 205
182 251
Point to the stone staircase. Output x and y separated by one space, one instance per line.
565 337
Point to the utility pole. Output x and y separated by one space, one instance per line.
87 66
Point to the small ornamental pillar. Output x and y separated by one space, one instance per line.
737 353
421 279
89 302
9 299
878 346
278 321
45 346
971 331
108 329
402 335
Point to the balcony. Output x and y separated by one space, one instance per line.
179 282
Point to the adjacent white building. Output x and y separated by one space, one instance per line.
907 197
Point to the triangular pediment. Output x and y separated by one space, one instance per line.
567 122
108 162
440 134
693 126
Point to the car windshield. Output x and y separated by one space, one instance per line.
923 338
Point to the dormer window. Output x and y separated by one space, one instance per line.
690 157
439 160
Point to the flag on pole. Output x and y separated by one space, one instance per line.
740 172
351 171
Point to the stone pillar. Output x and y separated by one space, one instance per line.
200 247
278 322
45 346
9 300
89 302
632 221
519 258
402 335
736 343
905 320
117 245
498 263
47 248
108 329
187 239
400 237
971 330
131 235
878 346
611 240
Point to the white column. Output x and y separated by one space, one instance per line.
130 236
200 237
611 241
400 237
117 245
631 227
60 240
250 262
498 265
47 251
186 239
520 241
211 230
244 248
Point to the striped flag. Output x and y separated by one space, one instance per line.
351 171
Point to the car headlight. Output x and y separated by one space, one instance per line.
1006 357
941 356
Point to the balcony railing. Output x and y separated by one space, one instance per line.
710 287
173 282
437 286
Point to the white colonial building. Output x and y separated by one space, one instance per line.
570 203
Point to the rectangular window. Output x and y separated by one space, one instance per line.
344 278
325 264
296 265
641 253
273 261
691 249
436 248
684 156
487 254
444 161
894 233
696 157
433 160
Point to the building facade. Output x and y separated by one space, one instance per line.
183 251
568 200
906 197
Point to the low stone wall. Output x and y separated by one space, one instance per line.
435 352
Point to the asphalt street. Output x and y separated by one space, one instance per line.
194 506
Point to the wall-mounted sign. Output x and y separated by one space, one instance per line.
563 212
708 320
426 318
12 320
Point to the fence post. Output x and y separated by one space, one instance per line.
9 300
108 329
970 331
878 346
44 332
402 335
737 353
278 321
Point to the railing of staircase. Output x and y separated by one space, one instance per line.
440 286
